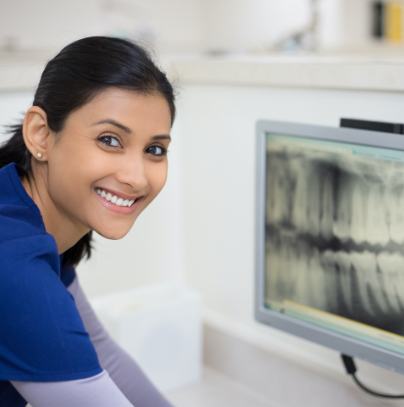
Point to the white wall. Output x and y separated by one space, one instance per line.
181 25
216 130
256 25
12 109
51 24
251 25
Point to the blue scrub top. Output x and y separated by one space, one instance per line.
42 337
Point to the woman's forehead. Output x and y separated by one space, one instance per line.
129 108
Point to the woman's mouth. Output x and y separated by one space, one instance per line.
115 199
116 203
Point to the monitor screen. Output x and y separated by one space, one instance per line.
330 238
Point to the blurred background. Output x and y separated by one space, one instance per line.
232 62
196 26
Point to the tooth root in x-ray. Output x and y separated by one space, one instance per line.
397 216
391 277
377 231
314 209
335 233
339 289
343 208
363 267
360 197
298 212
316 278
327 208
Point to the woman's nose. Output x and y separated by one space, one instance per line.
134 174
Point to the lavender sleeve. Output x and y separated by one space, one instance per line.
120 384
120 366
98 390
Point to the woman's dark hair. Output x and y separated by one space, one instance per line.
71 79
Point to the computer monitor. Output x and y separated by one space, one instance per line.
330 238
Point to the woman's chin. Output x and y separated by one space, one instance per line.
115 234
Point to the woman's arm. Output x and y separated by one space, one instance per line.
98 390
121 367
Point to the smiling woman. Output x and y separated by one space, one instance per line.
82 157
91 154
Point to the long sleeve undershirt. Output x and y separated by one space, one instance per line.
121 384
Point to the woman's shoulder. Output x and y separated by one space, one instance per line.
26 249
35 305
27 256
42 335
26 252
27 265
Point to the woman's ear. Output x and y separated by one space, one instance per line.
36 133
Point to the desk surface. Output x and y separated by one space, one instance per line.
216 390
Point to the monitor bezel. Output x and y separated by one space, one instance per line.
338 342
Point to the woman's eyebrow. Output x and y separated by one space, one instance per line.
128 130
161 137
114 123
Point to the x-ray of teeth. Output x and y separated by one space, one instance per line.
335 232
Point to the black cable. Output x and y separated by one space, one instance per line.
350 368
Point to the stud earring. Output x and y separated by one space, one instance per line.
39 155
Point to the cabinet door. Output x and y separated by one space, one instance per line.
12 108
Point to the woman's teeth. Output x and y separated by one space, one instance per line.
114 199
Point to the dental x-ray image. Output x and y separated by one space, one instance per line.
335 230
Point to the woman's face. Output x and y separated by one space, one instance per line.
109 161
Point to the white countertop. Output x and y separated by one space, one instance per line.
342 72
21 71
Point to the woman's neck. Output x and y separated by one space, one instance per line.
65 233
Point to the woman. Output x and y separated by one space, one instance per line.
89 155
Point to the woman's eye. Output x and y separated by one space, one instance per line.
157 150
110 141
